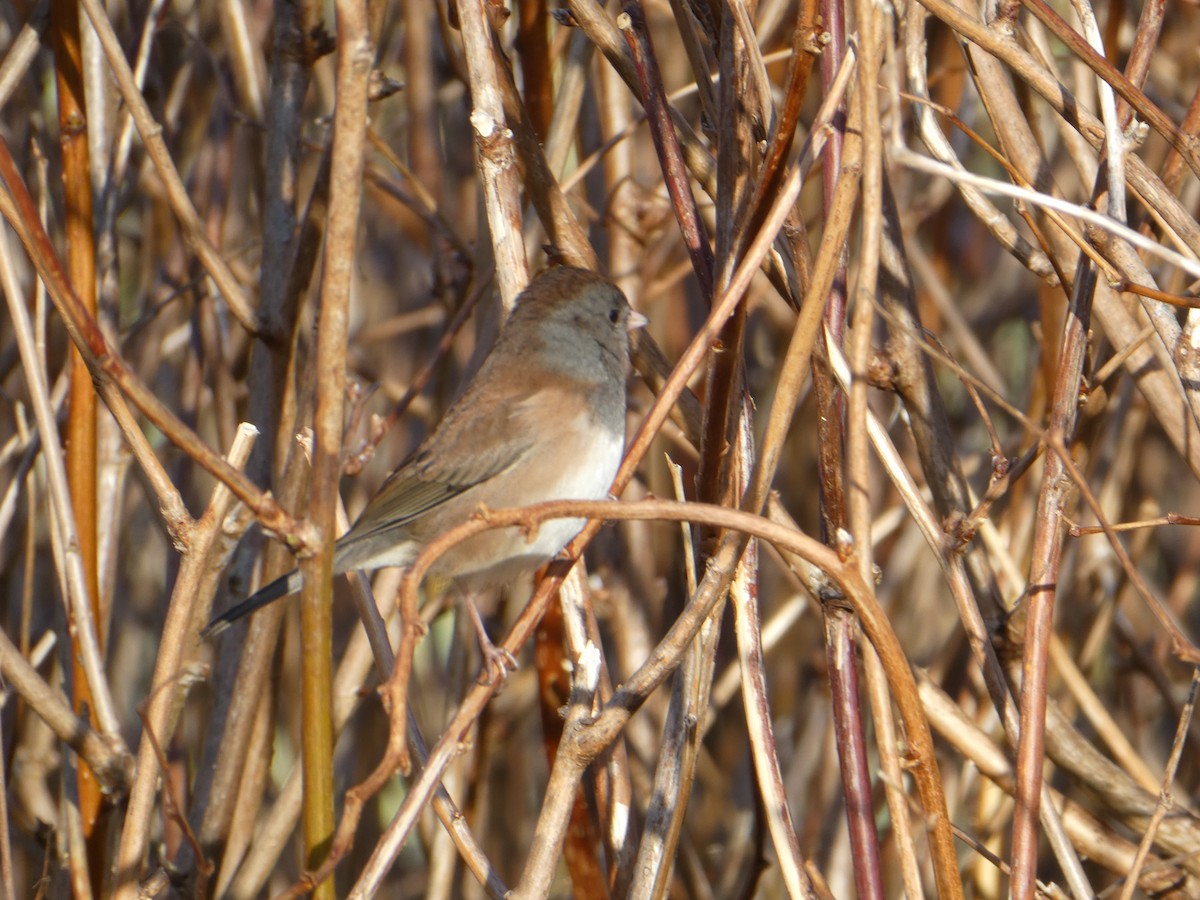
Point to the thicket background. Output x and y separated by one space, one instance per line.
195 174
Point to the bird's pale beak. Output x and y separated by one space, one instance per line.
635 321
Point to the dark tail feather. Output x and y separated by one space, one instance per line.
280 587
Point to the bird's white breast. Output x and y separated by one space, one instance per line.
579 465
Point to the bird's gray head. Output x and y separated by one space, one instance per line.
579 319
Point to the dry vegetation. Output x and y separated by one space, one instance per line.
258 227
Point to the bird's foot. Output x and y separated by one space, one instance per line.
497 661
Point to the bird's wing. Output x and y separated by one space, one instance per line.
464 451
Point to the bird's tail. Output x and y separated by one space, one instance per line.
280 587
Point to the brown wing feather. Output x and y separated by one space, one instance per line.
439 471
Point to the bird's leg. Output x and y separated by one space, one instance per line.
497 662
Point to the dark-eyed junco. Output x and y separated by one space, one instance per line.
543 419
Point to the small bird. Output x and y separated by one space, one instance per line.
543 419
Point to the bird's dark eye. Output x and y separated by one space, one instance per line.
614 315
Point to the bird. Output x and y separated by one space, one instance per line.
542 419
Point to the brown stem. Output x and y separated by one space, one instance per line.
497 165
112 375
355 56
156 148
81 421
196 581
534 51
114 767
666 142
1186 144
